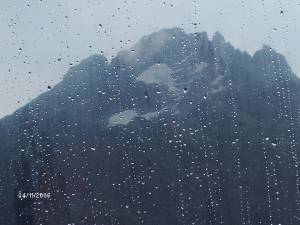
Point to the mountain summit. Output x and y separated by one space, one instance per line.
179 129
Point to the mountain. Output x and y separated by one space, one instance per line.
179 129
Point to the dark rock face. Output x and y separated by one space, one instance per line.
177 130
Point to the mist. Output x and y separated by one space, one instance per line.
41 40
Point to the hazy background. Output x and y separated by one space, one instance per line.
41 39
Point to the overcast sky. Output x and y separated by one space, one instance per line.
41 38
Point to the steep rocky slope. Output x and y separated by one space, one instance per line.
179 129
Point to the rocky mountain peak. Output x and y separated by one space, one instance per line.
177 127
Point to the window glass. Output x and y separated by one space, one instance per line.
150 112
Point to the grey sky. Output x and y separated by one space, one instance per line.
35 34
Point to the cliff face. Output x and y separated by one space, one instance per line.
179 129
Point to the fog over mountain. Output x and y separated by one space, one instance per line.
40 40
177 130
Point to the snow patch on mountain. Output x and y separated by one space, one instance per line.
122 118
157 74
152 115
127 116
